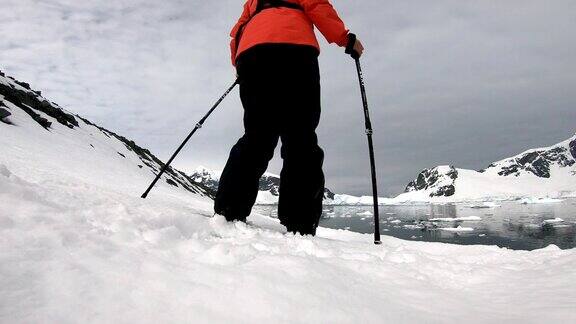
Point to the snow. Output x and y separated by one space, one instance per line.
208 173
456 229
527 201
484 204
414 227
266 198
457 219
553 221
364 213
343 199
78 245
109 256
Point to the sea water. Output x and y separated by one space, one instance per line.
512 224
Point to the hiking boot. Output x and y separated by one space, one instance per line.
302 230
230 217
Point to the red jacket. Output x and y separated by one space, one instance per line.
286 25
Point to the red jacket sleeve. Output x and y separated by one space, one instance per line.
326 19
241 22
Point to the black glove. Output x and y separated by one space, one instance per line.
350 46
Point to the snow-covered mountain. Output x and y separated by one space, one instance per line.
270 185
548 172
69 144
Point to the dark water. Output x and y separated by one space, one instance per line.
512 224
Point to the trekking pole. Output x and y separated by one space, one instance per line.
198 126
369 132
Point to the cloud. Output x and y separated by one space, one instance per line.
463 82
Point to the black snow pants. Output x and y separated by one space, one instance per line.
280 92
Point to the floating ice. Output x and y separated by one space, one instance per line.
553 221
456 229
457 219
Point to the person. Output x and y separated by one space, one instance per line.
275 52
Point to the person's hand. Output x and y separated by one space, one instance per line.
358 48
354 47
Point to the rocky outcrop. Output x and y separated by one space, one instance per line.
537 162
270 183
440 180
4 111
20 95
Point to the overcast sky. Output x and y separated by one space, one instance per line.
449 82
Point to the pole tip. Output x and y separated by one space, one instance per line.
377 242
144 196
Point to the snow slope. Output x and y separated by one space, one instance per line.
74 252
548 172
78 245
40 136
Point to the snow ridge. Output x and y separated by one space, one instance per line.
22 110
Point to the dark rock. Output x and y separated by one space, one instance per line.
508 170
538 162
122 155
92 146
140 166
23 84
29 101
446 191
540 167
4 112
172 182
39 119
529 158
429 178
453 173
328 194
270 183
573 149
426 179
